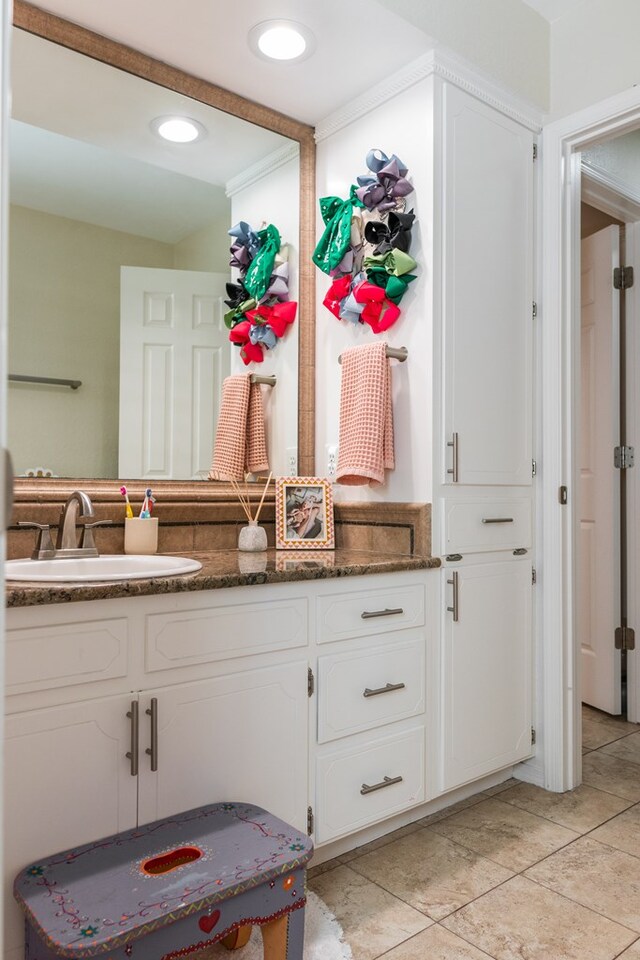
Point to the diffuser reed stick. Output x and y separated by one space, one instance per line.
264 493
245 498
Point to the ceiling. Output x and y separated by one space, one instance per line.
553 9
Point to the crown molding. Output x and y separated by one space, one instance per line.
447 66
265 166
609 193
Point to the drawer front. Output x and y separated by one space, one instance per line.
345 799
483 525
220 633
341 616
364 689
43 658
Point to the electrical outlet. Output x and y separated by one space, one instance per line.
332 460
292 461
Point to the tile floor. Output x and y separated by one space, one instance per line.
513 873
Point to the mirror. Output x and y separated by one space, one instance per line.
93 190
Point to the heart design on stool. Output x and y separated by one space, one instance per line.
208 922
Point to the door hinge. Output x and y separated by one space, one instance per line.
534 468
311 682
535 151
534 575
533 736
309 820
623 457
623 278
625 638
563 496
534 310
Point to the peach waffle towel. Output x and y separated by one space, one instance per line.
240 446
366 417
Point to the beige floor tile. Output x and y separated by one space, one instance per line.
627 748
317 869
505 834
373 920
581 809
436 943
597 733
612 775
500 787
633 953
523 920
623 832
380 842
599 717
597 876
454 808
430 872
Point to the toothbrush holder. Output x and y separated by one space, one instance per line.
141 535
252 538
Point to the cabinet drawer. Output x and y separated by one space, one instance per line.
219 633
363 689
482 525
342 807
42 658
341 616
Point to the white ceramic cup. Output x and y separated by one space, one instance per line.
140 535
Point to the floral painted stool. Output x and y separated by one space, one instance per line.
171 888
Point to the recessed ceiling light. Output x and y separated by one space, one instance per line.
178 129
281 40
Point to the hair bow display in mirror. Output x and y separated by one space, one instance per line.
259 307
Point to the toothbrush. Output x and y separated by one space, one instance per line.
145 511
128 512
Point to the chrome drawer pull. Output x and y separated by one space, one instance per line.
132 754
456 596
497 519
388 687
389 612
387 782
454 469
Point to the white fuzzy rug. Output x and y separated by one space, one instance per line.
323 937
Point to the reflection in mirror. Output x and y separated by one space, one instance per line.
118 263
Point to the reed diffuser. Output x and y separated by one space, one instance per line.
251 538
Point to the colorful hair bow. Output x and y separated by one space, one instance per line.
260 309
336 239
394 234
389 183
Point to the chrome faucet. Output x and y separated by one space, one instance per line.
78 506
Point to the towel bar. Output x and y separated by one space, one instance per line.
393 353
270 381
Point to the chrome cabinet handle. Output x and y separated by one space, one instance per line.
454 584
453 470
152 751
388 687
7 498
385 782
497 519
132 755
389 612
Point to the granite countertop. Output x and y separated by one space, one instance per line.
227 568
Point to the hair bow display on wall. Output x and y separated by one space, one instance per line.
365 245
259 307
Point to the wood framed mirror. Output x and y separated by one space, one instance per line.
44 25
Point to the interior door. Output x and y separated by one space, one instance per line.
174 354
599 508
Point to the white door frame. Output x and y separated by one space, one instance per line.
560 369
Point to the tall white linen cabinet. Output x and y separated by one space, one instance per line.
484 316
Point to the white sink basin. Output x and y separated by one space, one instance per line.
91 569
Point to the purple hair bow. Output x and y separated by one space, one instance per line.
382 190
245 245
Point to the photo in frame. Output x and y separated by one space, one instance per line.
304 514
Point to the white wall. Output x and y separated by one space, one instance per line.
594 54
620 158
403 126
274 198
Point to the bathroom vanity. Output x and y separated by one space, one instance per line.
315 687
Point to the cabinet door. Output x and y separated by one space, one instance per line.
236 737
487 292
67 782
487 674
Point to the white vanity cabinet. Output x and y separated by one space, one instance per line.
486 668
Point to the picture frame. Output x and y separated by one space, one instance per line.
304 514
